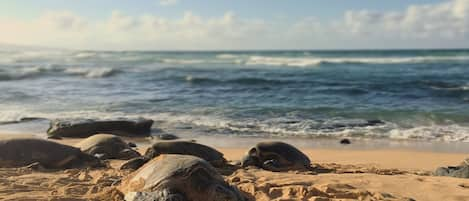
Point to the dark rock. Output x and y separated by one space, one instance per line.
86 128
345 141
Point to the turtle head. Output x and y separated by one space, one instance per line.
89 161
251 159
152 152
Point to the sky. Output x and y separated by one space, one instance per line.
235 25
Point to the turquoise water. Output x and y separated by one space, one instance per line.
416 94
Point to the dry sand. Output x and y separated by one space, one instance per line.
343 175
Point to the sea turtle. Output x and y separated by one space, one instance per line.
178 178
461 171
21 152
106 146
207 153
276 156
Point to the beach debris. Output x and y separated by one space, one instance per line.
461 171
107 146
276 156
178 177
345 141
87 127
22 152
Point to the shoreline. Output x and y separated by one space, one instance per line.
237 141
376 153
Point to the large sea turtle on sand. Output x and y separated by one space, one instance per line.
276 156
178 178
26 151
106 146
207 153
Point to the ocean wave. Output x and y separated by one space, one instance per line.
447 133
53 70
311 61
85 55
283 61
184 61
276 127
92 72
227 56
448 86
241 81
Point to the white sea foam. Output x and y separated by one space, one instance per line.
91 72
314 61
283 61
227 56
183 61
83 55
280 127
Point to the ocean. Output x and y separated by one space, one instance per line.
392 94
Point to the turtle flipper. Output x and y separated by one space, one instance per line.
134 163
99 153
272 165
36 166
127 154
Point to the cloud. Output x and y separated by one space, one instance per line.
441 25
168 2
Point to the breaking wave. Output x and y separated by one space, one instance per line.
34 72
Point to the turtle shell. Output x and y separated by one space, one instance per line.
276 156
183 176
107 147
186 148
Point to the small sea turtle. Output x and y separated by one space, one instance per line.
276 156
207 153
106 146
461 171
26 151
178 178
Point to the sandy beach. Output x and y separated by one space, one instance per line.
344 174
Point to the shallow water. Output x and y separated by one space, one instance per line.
417 94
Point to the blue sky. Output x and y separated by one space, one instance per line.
240 24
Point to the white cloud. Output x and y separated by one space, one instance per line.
168 2
442 25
